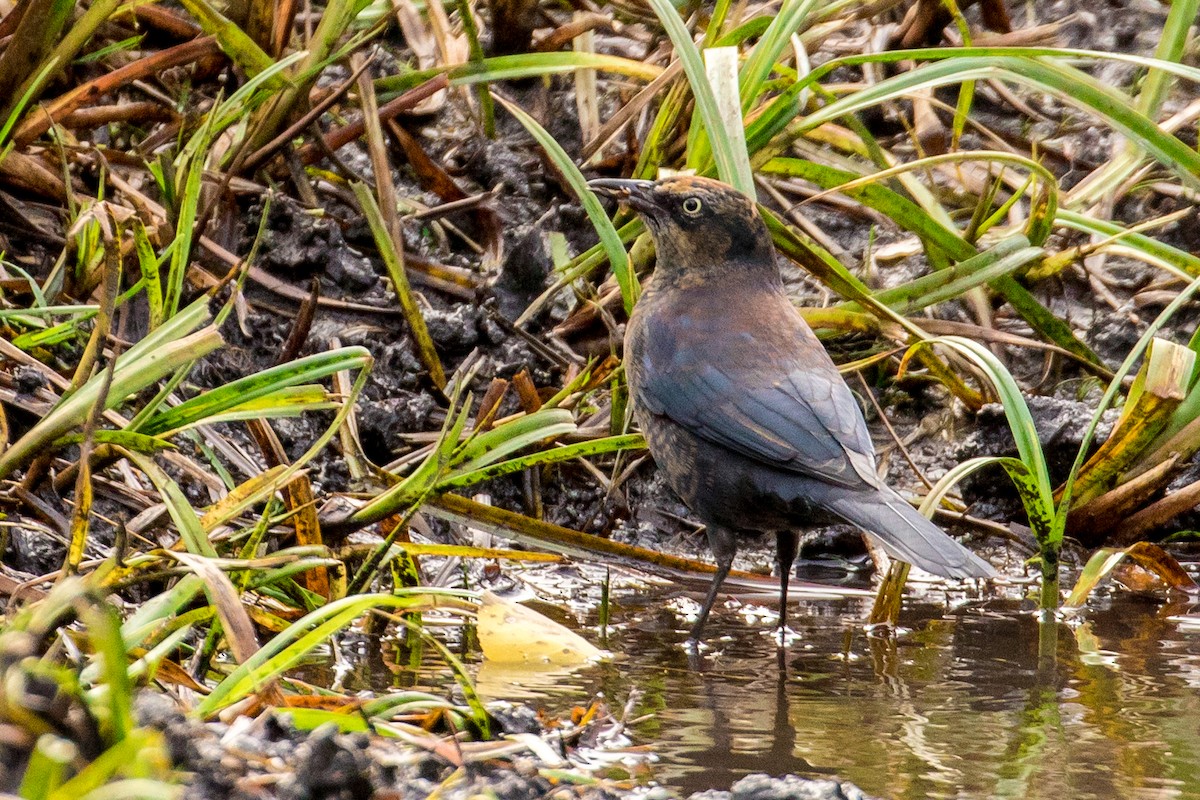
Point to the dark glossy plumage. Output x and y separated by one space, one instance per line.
741 406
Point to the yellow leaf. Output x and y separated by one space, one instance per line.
513 634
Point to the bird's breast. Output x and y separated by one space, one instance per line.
683 330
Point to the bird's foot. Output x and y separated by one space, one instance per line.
785 636
698 653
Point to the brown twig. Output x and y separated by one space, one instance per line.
339 137
254 160
892 432
40 119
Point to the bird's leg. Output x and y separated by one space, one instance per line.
787 544
724 547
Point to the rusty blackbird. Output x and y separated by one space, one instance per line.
741 406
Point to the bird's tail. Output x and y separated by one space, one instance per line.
905 534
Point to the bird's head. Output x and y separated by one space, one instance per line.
702 228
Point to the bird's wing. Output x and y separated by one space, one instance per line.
803 418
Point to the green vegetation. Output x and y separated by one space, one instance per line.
223 564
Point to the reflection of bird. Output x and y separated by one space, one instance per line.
741 406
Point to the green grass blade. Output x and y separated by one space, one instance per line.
610 240
484 95
706 103
240 48
1047 325
1005 258
288 648
393 258
1172 44
1066 83
1013 466
180 510
515 67
466 476
130 376
1180 259
792 16
896 207
1020 422
245 391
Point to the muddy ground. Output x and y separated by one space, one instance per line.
270 757
530 204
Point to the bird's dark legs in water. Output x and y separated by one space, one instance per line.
724 547
723 543
787 544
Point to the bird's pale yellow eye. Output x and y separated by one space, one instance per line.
692 205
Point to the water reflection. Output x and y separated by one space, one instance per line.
956 706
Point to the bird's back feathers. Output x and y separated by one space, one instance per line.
751 378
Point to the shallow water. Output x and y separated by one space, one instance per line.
956 705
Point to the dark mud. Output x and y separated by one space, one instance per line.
531 205
269 757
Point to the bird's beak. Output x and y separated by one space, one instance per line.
638 194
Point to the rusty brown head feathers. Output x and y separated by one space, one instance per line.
700 226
